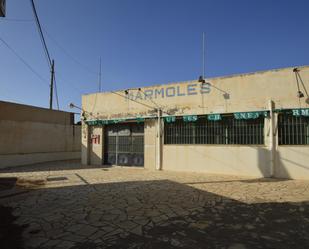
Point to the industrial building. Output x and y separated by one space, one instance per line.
254 124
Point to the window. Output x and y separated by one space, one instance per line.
293 130
226 131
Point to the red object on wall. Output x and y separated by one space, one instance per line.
95 139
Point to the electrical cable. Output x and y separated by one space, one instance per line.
23 61
146 96
37 21
151 107
16 20
49 61
68 54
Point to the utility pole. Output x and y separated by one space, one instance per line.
49 61
51 85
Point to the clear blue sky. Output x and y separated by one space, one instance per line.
145 42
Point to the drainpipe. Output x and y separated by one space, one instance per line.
158 161
272 138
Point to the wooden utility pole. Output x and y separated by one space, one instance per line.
51 85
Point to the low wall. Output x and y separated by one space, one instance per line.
13 160
233 160
31 135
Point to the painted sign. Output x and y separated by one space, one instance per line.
95 139
300 112
170 91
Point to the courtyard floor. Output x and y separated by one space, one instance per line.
66 205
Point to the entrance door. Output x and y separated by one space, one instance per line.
124 145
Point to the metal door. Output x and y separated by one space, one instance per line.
124 144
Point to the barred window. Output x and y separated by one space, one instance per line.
226 131
293 130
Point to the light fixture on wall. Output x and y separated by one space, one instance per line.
201 79
300 94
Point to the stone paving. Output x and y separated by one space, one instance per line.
94 207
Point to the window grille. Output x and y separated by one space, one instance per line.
293 130
225 131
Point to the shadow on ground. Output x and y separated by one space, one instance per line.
50 166
168 214
234 226
10 233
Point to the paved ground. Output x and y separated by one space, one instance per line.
83 208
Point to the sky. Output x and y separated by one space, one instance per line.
144 42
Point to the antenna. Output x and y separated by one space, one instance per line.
203 56
100 72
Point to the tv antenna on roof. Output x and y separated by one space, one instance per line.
100 76
202 77
203 55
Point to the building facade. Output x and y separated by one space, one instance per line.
254 124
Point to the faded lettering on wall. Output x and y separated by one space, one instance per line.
170 91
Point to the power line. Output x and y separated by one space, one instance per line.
86 68
23 61
16 20
146 97
37 21
50 62
132 100
151 107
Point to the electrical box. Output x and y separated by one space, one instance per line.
2 8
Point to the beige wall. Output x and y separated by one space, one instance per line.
85 150
96 148
150 144
233 160
237 93
246 92
19 112
31 137
292 162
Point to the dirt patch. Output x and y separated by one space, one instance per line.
30 183
10 233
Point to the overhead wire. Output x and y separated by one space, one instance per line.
16 20
37 21
151 107
123 96
86 68
23 61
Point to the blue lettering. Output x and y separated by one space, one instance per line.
205 88
148 94
170 93
159 92
138 96
191 89
130 96
179 93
